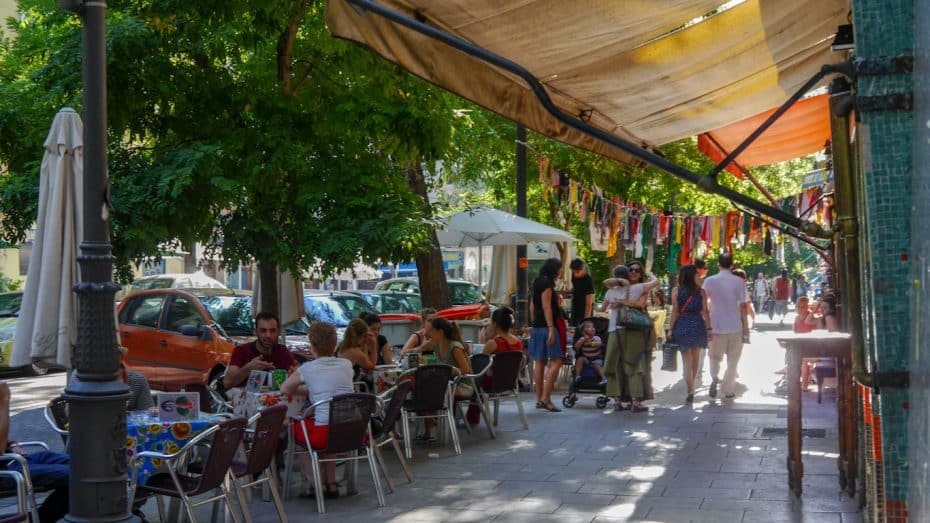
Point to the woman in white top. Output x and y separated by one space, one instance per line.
635 344
320 379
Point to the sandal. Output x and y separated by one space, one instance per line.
551 407
425 437
540 405
332 491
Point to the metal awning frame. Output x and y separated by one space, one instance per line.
803 230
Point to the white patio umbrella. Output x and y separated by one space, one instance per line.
47 328
484 226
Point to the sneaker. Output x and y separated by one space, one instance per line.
730 395
603 381
713 389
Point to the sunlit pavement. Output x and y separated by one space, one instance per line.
703 462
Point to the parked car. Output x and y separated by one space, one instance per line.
336 307
461 292
194 280
393 302
9 315
180 336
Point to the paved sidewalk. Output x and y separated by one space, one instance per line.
679 463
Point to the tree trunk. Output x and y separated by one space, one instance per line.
268 279
434 290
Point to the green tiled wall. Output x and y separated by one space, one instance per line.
885 28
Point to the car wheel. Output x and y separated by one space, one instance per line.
36 370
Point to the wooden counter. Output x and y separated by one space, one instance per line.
821 344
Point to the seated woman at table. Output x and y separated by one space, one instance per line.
353 348
378 348
320 379
501 339
419 337
446 344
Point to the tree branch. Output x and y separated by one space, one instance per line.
286 47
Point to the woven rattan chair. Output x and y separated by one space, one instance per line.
393 398
56 414
12 483
505 369
260 466
9 487
480 364
432 392
349 434
225 440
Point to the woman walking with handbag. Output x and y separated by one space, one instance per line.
689 324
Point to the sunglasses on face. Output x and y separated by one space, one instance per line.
635 269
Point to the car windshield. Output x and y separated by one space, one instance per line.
463 293
336 309
10 303
395 303
232 313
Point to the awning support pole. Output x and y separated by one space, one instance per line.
844 68
706 183
743 170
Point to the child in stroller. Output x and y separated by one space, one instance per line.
588 370
589 351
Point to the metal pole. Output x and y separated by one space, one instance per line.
521 303
96 396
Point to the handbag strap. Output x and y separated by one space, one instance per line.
687 302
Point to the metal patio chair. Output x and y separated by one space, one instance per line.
225 438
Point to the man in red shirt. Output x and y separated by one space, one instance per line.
265 353
782 293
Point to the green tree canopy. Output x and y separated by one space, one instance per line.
238 125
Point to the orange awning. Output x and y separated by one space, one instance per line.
802 130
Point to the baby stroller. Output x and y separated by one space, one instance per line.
590 383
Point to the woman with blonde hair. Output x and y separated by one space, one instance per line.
353 345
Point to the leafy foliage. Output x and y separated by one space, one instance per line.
243 126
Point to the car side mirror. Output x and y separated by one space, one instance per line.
206 333
191 330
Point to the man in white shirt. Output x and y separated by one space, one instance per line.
727 296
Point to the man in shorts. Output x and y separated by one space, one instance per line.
727 297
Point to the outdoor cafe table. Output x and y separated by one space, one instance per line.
145 432
385 377
247 404
821 344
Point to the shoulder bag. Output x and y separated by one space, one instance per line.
633 318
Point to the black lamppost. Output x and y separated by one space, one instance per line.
96 396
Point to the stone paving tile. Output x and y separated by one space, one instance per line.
673 515
707 493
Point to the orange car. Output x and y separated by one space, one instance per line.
177 337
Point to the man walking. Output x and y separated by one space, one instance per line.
782 293
582 292
727 299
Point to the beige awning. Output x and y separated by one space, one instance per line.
622 65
